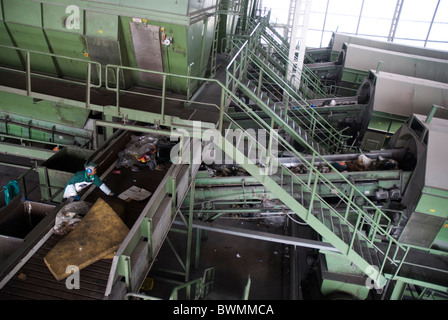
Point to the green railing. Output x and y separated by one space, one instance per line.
87 82
165 200
315 178
395 252
237 73
200 288
308 78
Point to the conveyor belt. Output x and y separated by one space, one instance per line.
34 280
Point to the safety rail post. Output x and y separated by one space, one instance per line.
124 269
286 108
222 111
386 254
355 233
313 158
313 195
189 81
117 79
375 222
146 231
89 71
28 74
401 262
349 204
313 127
260 80
162 111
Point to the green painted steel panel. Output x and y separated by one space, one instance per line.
353 76
433 205
26 151
23 12
71 45
33 38
101 25
44 110
63 18
7 56
441 240
379 123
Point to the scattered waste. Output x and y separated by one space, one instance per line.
148 284
134 193
22 276
69 216
140 151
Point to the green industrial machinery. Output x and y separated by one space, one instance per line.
79 76
176 38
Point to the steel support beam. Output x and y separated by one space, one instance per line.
265 236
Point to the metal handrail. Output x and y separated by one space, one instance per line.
29 73
227 97
348 200
306 73
246 44
239 64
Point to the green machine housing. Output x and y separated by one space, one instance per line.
177 37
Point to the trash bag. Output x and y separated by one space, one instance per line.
69 216
365 161
140 150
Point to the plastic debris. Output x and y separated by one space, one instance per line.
69 216
140 151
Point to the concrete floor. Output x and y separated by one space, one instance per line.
236 259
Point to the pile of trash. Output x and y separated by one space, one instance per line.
224 171
140 151
69 216
361 163
364 163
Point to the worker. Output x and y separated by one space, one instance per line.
85 178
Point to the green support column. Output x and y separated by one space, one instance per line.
190 231
398 291
108 131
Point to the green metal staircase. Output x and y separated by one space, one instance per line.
303 124
362 234
273 51
354 231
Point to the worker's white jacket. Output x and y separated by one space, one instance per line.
80 180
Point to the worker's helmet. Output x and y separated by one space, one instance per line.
90 166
